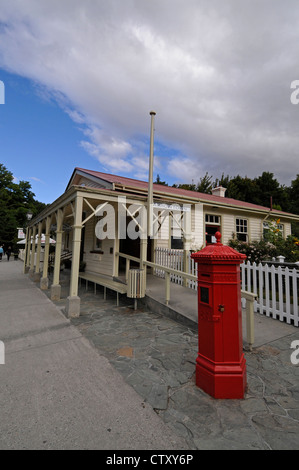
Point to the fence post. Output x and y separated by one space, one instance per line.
127 269
280 292
295 296
250 298
167 287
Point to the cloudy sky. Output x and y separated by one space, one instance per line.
81 77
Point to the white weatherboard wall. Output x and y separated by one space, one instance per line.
228 226
163 239
90 183
99 263
197 225
255 222
288 229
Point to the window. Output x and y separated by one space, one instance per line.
177 243
213 219
242 229
212 226
177 237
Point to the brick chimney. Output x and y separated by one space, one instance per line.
219 191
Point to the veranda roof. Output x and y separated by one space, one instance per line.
43 240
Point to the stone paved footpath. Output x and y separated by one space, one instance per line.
56 391
156 356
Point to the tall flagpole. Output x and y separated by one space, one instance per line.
150 180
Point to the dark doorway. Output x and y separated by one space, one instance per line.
132 248
210 233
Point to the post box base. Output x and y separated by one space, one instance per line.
221 380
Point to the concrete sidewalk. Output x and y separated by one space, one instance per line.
59 392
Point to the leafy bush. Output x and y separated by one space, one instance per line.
262 250
288 248
272 245
255 251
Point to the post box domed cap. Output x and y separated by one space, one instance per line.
218 237
217 252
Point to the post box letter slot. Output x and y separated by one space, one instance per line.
204 295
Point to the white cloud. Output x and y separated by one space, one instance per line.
183 169
38 180
108 161
218 77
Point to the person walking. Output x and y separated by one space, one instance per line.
8 253
1 252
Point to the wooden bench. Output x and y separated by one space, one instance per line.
106 282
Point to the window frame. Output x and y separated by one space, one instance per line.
242 223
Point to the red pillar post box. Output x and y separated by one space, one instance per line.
220 365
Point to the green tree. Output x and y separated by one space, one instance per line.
223 181
6 178
293 202
240 188
189 187
268 189
159 181
293 196
261 190
205 184
16 199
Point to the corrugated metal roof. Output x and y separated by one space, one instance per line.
130 182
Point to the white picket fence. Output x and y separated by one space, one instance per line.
276 287
175 259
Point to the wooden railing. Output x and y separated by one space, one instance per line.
168 272
250 297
